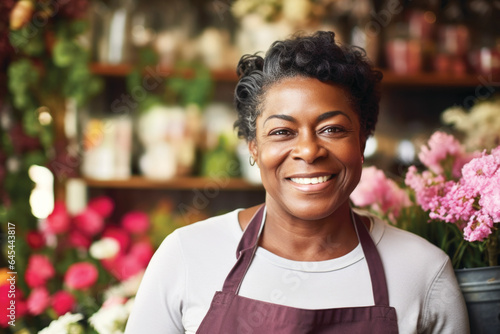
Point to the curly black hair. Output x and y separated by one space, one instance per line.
316 56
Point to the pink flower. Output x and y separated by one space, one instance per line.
440 147
35 240
142 252
119 235
79 240
81 275
426 187
63 302
380 193
89 222
135 222
123 266
38 271
478 228
102 205
59 220
38 300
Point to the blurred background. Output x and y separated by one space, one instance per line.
131 101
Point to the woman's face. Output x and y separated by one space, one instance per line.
308 147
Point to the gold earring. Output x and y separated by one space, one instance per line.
251 160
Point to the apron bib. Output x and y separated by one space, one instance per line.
230 313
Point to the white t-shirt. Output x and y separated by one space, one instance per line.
193 262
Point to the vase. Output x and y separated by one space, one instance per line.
481 290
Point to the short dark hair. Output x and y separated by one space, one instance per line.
316 56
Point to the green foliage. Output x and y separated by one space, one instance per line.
191 90
220 161
447 236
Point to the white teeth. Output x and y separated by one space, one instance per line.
311 180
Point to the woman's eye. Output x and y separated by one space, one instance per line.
280 132
333 129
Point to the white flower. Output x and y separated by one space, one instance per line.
65 324
481 124
126 288
104 249
111 319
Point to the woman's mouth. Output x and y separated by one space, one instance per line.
311 180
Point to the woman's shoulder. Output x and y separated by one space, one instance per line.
216 227
399 242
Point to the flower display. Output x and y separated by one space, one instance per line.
81 271
471 201
455 199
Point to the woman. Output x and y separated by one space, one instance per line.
304 262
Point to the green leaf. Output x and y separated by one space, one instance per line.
31 125
65 52
34 158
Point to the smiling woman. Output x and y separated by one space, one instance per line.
305 261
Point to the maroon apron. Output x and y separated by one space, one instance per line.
230 313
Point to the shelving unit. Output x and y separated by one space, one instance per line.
178 183
424 79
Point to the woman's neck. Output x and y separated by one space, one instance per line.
305 240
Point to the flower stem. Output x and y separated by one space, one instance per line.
492 248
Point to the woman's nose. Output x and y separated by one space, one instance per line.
308 148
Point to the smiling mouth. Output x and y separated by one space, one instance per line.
311 180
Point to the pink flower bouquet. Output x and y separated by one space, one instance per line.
454 187
462 189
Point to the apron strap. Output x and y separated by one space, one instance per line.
247 244
377 275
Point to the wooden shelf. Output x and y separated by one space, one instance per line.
178 183
122 70
433 80
390 78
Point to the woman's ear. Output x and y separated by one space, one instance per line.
252 148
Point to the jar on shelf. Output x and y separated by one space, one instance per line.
484 54
409 35
453 40
111 31
168 137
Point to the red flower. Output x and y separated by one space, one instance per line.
142 252
62 302
135 222
102 205
59 220
122 266
38 271
79 240
89 222
35 240
38 300
119 235
81 275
